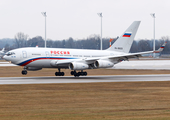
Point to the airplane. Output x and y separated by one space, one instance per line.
76 59
2 52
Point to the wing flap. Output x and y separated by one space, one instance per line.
136 55
128 56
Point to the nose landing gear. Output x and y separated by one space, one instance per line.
24 72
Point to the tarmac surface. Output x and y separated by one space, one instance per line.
134 64
83 79
144 64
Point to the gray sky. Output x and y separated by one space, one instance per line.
79 19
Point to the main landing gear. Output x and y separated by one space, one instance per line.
77 74
59 73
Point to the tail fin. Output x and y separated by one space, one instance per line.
3 50
124 42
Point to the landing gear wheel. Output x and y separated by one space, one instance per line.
24 72
56 73
85 73
77 74
59 73
62 73
72 73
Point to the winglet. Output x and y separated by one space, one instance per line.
161 48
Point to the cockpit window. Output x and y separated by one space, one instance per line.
10 53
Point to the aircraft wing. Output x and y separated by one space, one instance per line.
131 55
136 55
116 57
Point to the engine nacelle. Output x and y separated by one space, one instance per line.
33 68
103 64
78 66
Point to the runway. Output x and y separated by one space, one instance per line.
144 65
134 64
139 64
87 79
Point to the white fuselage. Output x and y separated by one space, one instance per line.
42 57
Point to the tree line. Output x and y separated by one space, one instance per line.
91 42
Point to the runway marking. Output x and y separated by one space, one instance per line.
84 79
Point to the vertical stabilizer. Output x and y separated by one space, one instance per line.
3 50
124 42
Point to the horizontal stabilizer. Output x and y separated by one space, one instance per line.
161 48
3 50
136 55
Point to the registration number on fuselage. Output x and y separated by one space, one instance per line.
119 48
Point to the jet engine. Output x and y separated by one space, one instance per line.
78 66
103 64
33 68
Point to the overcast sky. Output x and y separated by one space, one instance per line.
78 18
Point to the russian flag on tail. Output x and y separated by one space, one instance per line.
127 35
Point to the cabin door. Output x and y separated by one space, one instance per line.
47 54
24 54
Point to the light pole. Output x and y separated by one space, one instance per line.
100 15
44 14
153 15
